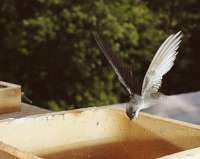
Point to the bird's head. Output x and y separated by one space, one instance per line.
130 113
132 109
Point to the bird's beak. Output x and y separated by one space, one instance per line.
130 117
130 114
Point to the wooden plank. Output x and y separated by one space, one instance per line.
26 110
9 152
10 97
104 132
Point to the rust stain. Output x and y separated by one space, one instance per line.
76 112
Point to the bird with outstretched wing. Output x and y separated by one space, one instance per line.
162 62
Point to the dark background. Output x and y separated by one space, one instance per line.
47 46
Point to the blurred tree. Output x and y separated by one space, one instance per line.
47 46
185 16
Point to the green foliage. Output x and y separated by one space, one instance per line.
185 16
47 46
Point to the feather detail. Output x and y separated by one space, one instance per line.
123 71
161 64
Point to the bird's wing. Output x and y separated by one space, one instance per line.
123 71
161 64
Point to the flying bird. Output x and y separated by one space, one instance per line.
162 62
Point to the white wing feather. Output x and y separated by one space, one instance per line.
161 64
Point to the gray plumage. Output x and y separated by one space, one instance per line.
123 71
160 65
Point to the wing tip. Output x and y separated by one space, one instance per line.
179 34
96 36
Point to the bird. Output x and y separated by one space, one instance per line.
161 64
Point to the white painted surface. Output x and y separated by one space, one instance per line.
184 107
